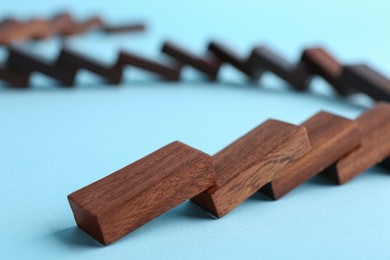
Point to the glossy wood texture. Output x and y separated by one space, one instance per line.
331 137
132 196
252 161
374 126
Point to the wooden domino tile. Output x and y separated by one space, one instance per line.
331 137
367 80
171 73
320 62
209 67
24 62
374 126
249 163
127 199
72 61
229 56
263 59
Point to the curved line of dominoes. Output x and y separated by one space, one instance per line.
63 24
345 79
273 158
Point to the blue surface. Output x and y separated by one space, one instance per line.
54 141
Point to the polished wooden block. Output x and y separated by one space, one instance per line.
374 126
263 59
331 137
319 61
24 62
252 161
209 66
73 61
166 72
227 55
367 80
127 199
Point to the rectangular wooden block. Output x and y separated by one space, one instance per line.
331 137
367 80
114 206
262 58
73 61
374 126
320 62
226 55
252 161
22 61
166 72
208 67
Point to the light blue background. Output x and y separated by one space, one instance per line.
54 141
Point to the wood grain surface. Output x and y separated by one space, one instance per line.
331 137
249 163
132 196
374 126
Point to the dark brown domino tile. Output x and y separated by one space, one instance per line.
208 67
127 199
166 72
320 62
331 137
229 56
19 79
249 163
21 61
124 28
264 59
374 126
367 80
73 61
